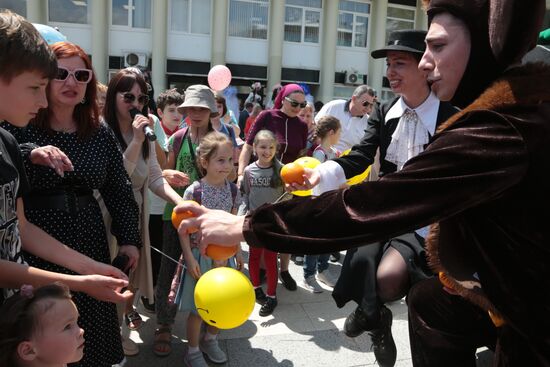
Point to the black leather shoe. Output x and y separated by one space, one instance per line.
260 295
383 344
268 306
356 323
288 282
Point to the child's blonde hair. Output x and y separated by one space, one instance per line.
208 146
277 165
326 124
101 88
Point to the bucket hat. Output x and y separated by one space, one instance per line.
407 40
199 95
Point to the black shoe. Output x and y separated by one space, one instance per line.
287 280
299 260
383 344
268 306
149 307
356 323
335 257
260 295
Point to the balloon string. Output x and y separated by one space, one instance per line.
168 256
281 197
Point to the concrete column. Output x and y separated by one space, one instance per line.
421 18
377 37
100 39
160 41
328 51
220 11
37 11
275 43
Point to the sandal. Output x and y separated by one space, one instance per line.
162 346
133 320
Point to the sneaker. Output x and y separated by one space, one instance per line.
335 257
356 323
194 360
268 306
260 295
311 284
288 282
299 260
212 349
326 277
383 344
129 347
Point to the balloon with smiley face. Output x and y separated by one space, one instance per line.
224 298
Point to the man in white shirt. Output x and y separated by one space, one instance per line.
353 115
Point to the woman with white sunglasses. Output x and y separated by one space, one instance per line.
61 200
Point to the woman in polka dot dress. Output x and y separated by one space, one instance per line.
63 205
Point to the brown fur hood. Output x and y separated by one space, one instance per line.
526 85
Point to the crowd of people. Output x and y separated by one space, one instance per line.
452 218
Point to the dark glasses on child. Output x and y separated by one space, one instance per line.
294 103
130 98
80 75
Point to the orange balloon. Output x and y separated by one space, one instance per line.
178 217
293 173
217 252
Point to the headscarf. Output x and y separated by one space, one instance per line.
285 92
501 33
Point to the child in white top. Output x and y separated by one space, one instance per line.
328 131
38 328
214 191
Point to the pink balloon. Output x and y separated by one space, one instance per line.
219 77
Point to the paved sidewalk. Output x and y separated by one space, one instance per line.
304 331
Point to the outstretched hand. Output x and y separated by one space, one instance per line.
215 226
105 288
311 179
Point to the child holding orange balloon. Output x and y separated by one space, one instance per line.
262 184
214 191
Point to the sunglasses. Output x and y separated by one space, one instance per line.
367 104
294 103
130 98
82 76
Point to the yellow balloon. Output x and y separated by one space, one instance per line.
360 177
224 298
306 162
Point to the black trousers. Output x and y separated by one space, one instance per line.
445 330
155 237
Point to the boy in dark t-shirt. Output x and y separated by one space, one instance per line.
26 66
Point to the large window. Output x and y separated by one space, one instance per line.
399 17
68 11
302 20
132 13
17 6
191 16
248 18
353 23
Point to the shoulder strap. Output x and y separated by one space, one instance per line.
197 192
178 140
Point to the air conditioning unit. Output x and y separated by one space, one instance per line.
353 77
136 58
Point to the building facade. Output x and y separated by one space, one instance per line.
323 43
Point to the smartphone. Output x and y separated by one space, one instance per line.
121 262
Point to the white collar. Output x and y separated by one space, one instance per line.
427 111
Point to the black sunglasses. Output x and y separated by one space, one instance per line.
80 75
294 103
130 98
367 104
